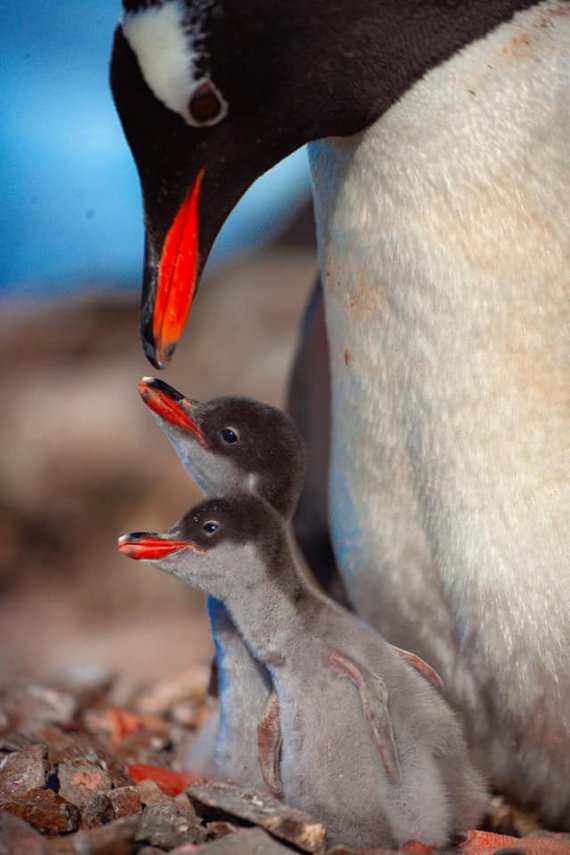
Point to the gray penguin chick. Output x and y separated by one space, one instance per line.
226 444
368 746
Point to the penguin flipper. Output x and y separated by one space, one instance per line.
309 405
269 746
420 665
374 698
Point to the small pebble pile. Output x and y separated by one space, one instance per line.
81 776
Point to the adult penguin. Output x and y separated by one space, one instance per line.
440 164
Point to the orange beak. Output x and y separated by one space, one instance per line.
170 405
152 547
176 280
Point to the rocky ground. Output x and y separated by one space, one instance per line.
81 776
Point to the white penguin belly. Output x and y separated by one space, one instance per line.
443 236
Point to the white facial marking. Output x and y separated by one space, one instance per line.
164 47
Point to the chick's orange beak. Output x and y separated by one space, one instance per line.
170 405
151 547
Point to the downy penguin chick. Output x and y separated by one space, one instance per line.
226 444
368 746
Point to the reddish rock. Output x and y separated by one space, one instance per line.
126 801
144 746
216 800
47 811
171 783
19 838
80 782
24 770
115 725
168 825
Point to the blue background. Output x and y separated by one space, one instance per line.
71 215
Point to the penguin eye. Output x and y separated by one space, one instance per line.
210 527
206 106
229 435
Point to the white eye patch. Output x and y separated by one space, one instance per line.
165 51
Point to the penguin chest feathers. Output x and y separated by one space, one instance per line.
443 240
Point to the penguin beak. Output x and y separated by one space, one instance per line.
146 546
170 284
190 182
170 405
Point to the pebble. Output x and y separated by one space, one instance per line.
217 829
151 794
98 811
216 800
19 838
253 841
80 782
24 770
115 838
126 801
168 825
47 811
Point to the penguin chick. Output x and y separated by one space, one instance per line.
231 444
225 445
367 746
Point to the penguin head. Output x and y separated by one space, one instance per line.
211 95
230 444
217 547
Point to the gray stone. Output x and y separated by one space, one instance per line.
252 841
99 811
168 825
115 838
216 800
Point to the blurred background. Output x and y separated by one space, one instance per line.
81 459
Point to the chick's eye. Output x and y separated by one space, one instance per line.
229 435
205 105
210 527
